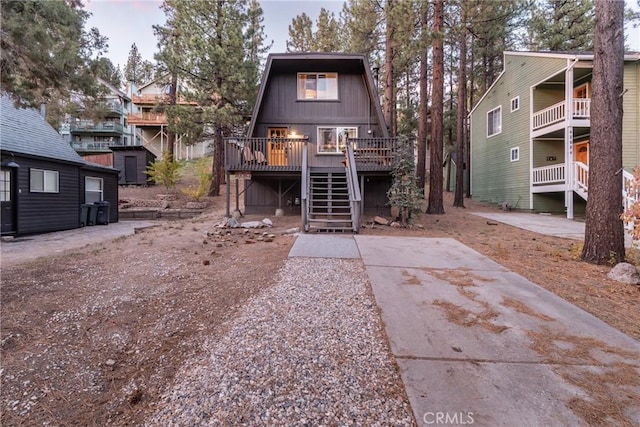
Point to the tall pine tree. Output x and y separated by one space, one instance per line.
562 25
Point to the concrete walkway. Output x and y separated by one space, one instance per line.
478 344
28 248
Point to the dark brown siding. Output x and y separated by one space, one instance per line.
44 212
143 158
375 195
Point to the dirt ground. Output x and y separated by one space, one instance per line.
93 337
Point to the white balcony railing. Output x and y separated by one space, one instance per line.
557 112
581 177
549 115
552 174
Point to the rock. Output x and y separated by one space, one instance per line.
206 262
110 362
195 205
170 197
380 220
268 239
252 224
293 230
492 223
233 223
419 226
249 241
625 273
267 222
395 224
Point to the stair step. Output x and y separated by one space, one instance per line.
329 221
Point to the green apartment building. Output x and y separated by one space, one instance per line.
530 132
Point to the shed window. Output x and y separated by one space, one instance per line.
5 186
515 104
333 140
317 85
494 121
93 189
515 154
43 181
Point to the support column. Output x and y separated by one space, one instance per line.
568 141
228 196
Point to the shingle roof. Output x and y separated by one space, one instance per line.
24 131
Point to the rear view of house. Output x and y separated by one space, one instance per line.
530 132
317 143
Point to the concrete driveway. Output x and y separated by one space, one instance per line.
478 344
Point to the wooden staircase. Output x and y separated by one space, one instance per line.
330 208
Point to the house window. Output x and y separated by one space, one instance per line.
93 189
317 85
5 186
332 140
515 104
494 121
43 181
515 154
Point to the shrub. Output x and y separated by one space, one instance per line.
165 171
404 194
203 176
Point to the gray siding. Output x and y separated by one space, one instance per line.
143 158
631 117
110 188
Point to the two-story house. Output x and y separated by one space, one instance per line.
317 142
530 132
149 121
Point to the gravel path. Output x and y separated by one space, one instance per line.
309 351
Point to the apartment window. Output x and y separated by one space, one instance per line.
93 189
494 121
515 104
515 154
317 85
332 140
43 181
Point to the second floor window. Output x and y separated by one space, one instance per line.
43 181
317 86
494 121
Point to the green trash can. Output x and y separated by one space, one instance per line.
93 213
102 217
84 215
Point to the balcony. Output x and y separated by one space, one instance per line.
147 119
155 99
557 113
94 145
264 154
104 128
113 108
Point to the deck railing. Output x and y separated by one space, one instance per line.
374 153
100 127
94 145
355 197
147 119
548 174
264 154
581 176
557 112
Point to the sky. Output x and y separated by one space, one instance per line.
126 22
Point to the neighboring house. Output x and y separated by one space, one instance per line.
317 143
132 162
92 138
43 180
149 120
530 132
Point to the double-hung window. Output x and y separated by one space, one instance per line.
494 121
318 86
93 189
43 181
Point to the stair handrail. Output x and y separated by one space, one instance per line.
581 177
304 190
354 188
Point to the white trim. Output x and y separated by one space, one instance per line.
499 131
338 130
517 101
302 97
45 173
99 192
515 150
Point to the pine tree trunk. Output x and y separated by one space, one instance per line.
604 234
423 108
435 205
171 135
458 200
389 92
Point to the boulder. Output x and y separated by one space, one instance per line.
233 223
625 273
267 222
252 224
380 220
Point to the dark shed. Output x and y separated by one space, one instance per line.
132 162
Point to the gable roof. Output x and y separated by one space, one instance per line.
318 61
24 131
